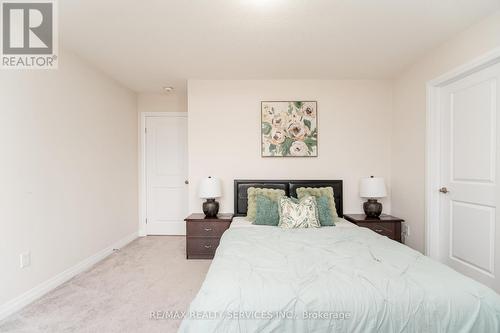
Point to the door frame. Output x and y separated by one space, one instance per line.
433 137
142 163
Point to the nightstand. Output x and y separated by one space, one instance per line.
385 225
203 234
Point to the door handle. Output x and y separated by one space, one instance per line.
443 190
186 182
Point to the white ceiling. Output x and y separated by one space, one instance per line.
153 43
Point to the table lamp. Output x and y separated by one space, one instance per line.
210 189
372 188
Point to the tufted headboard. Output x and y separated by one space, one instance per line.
290 188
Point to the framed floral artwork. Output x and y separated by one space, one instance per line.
289 129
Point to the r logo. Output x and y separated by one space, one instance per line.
27 28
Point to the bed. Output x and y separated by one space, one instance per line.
331 279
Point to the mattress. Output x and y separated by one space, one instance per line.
333 279
244 222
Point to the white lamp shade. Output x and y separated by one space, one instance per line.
372 187
210 188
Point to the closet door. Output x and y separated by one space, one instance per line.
469 228
166 175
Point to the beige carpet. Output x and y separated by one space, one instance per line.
119 293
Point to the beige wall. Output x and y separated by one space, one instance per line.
408 140
68 142
175 101
224 134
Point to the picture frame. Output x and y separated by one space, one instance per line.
289 129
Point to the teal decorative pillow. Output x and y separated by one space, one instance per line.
320 192
303 214
267 211
324 212
252 193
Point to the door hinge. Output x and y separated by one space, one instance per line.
146 220
145 130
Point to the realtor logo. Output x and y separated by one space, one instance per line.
29 38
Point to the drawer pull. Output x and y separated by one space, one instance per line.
208 246
208 229
379 230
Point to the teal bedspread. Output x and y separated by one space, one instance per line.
334 279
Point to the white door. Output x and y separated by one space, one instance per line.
469 230
166 175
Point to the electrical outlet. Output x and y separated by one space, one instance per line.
25 259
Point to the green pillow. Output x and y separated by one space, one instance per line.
252 193
319 192
267 211
324 212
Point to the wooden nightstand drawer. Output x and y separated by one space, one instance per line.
206 229
203 234
197 246
385 225
386 229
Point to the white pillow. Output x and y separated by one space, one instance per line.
298 214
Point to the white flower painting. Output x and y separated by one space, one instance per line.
289 129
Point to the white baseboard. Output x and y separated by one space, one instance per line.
31 295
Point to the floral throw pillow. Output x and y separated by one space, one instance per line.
302 214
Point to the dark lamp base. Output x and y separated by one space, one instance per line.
211 208
372 208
